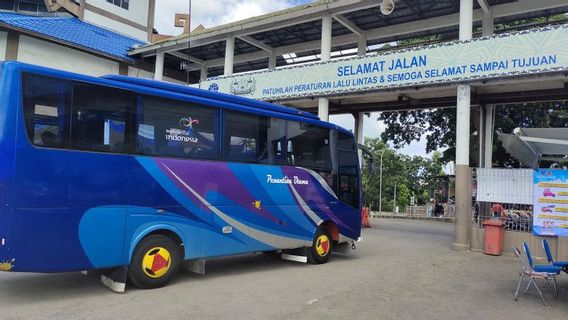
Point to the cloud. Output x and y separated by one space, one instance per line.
212 13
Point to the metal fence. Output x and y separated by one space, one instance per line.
517 217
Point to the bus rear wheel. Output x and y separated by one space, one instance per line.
321 247
155 262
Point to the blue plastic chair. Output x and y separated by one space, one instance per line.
540 267
529 273
562 264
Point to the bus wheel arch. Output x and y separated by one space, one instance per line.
155 260
331 227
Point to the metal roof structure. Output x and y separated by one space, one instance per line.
73 32
293 35
531 145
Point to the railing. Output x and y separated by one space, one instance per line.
420 212
517 217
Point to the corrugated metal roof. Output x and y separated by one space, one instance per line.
74 32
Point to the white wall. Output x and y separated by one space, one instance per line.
116 26
47 54
3 42
137 12
505 185
137 9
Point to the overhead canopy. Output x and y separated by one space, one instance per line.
294 34
531 145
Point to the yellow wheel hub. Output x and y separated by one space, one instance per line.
323 245
156 262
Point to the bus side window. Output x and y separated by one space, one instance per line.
172 128
311 146
100 117
253 138
46 110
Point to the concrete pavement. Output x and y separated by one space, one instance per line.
404 269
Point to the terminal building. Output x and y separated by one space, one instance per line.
92 37
334 57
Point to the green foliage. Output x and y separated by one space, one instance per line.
439 127
411 175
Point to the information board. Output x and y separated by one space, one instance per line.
550 207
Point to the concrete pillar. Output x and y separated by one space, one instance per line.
488 23
481 136
203 73
159 68
323 109
361 46
359 121
488 136
323 103
229 56
326 38
272 61
463 171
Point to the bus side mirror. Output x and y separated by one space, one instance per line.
371 164
372 167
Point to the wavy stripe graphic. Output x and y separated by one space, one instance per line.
320 179
315 218
264 237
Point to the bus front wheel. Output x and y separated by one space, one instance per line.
321 247
155 262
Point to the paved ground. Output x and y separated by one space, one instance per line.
403 270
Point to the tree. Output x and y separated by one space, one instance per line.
410 175
439 127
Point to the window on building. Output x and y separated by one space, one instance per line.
254 139
7 5
121 3
171 128
100 118
46 109
30 6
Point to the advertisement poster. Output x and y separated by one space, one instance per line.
550 208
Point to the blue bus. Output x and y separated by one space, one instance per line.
133 177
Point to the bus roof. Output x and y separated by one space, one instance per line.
175 89
212 95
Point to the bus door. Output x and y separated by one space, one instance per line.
44 226
99 169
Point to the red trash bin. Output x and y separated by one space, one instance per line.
494 234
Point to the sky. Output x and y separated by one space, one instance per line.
211 13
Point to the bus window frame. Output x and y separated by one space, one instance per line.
130 132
